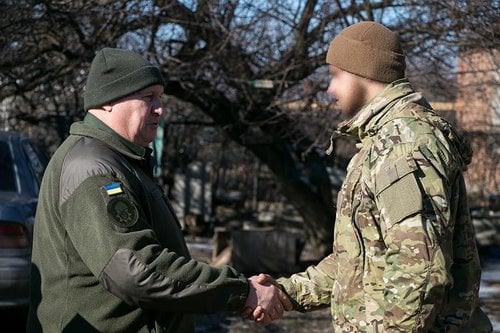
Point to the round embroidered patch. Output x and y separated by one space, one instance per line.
123 212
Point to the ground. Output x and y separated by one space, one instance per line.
293 322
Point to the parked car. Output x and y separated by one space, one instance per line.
22 164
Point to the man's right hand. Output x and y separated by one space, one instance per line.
266 301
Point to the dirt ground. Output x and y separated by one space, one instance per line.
292 322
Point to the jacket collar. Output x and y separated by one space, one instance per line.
365 121
91 126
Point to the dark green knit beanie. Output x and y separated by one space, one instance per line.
370 50
116 73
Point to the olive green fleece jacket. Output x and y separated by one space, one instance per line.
108 252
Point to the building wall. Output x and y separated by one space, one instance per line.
478 114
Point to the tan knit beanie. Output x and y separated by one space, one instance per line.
370 50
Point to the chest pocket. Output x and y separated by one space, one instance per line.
398 192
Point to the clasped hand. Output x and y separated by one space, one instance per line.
266 301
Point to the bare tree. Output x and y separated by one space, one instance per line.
215 56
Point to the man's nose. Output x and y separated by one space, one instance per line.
158 108
331 92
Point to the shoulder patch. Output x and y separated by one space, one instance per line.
122 211
398 191
113 189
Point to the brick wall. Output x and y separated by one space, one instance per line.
478 114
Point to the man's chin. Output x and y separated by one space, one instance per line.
346 115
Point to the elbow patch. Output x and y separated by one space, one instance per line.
398 192
128 278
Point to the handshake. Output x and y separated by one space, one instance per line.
266 301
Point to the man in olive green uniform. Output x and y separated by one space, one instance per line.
404 256
108 252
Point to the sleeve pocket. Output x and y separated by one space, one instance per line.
398 192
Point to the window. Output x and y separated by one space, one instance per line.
7 175
36 161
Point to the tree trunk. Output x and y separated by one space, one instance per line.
311 197
303 180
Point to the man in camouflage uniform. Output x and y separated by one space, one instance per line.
108 252
404 256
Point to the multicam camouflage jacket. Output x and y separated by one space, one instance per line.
404 256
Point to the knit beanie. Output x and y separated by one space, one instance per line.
116 73
370 50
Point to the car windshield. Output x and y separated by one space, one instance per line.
7 177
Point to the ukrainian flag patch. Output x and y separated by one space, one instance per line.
113 189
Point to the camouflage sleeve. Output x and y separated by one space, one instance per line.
413 197
311 290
